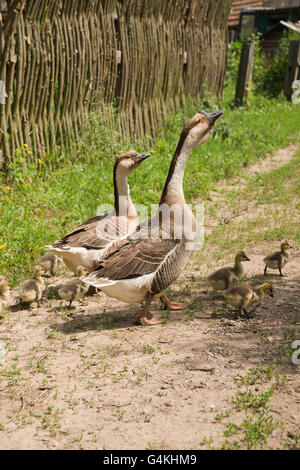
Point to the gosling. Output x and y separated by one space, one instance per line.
227 277
32 290
75 288
278 259
50 262
244 297
4 293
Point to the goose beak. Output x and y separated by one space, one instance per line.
142 156
212 117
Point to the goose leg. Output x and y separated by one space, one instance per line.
142 317
92 291
265 270
167 303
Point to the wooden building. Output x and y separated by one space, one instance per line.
234 19
262 16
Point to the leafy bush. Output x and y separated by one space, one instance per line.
268 73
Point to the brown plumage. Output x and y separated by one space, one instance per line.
227 277
278 259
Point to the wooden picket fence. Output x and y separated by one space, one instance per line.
60 59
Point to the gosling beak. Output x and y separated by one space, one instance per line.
142 156
212 117
248 259
271 295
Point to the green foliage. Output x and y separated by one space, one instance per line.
268 72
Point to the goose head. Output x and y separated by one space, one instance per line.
241 256
267 289
38 271
285 246
81 271
129 161
199 128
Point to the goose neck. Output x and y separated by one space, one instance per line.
173 189
123 202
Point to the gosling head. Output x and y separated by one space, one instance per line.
129 161
38 271
81 271
285 245
199 128
241 256
267 289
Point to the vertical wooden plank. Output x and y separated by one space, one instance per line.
292 68
245 73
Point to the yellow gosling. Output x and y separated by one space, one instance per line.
4 293
32 290
244 297
50 262
227 277
74 289
278 259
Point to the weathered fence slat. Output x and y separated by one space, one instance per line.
61 60
245 73
292 68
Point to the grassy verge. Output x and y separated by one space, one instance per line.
269 207
39 203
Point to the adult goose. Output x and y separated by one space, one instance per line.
85 245
143 265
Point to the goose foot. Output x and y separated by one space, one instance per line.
168 304
142 317
144 321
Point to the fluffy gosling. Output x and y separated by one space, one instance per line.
50 262
4 293
227 277
278 259
32 290
244 297
75 288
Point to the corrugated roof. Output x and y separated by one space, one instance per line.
281 3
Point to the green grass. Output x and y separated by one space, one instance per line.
254 423
269 206
39 203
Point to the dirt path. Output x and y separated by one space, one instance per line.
89 379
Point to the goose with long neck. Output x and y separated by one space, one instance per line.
143 265
85 245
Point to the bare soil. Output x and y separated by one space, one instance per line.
89 379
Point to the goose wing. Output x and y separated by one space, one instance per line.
95 233
135 258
